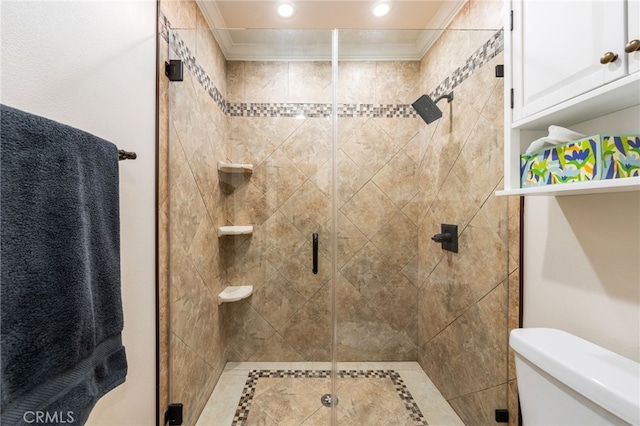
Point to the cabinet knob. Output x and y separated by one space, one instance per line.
608 57
632 46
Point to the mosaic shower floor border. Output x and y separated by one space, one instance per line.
230 402
405 407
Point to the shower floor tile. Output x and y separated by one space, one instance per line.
380 393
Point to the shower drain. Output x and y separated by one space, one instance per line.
326 400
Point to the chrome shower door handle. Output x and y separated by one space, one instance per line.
315 252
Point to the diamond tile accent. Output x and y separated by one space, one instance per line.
369 270
307 209
309 147
370 148
358 210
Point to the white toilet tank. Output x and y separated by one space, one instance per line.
565 380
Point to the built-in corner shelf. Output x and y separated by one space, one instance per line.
235 293
235 230
235 168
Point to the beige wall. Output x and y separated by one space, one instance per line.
582 272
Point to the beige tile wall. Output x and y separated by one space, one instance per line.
467 301
463 298
288 198
191 207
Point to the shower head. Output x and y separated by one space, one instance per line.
427 108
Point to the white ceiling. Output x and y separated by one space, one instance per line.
251 30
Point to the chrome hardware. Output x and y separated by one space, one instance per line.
327 399
608 58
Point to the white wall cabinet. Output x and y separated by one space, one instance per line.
554 75
560 45
633 33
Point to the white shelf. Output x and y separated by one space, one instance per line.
235 293
579 188
235 230
236 168
612 97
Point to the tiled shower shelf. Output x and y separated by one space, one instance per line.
239 168
235 230
234 293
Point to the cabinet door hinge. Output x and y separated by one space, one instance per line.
511 24
512 98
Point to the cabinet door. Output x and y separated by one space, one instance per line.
633 19
557 47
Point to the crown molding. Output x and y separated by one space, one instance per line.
257 51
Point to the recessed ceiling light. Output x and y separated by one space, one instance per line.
381 9
286 10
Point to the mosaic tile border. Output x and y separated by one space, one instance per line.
164 27
479 58
244 405
279 110
191 63
310 110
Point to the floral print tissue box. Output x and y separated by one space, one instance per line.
592 158
575 161
620 156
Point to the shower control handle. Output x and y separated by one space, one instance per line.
448 237
445 237
315 252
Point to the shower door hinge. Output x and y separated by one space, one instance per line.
511 19
500 71
173 415
173 69
502 415
512 98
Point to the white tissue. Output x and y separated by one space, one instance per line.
564 135
541 143
557 135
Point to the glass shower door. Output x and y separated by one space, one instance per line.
377 211
414 319
249 206
281 136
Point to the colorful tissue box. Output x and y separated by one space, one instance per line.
620 156
575 161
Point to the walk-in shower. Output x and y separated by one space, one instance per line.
337 190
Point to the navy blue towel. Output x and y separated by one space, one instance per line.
61 308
